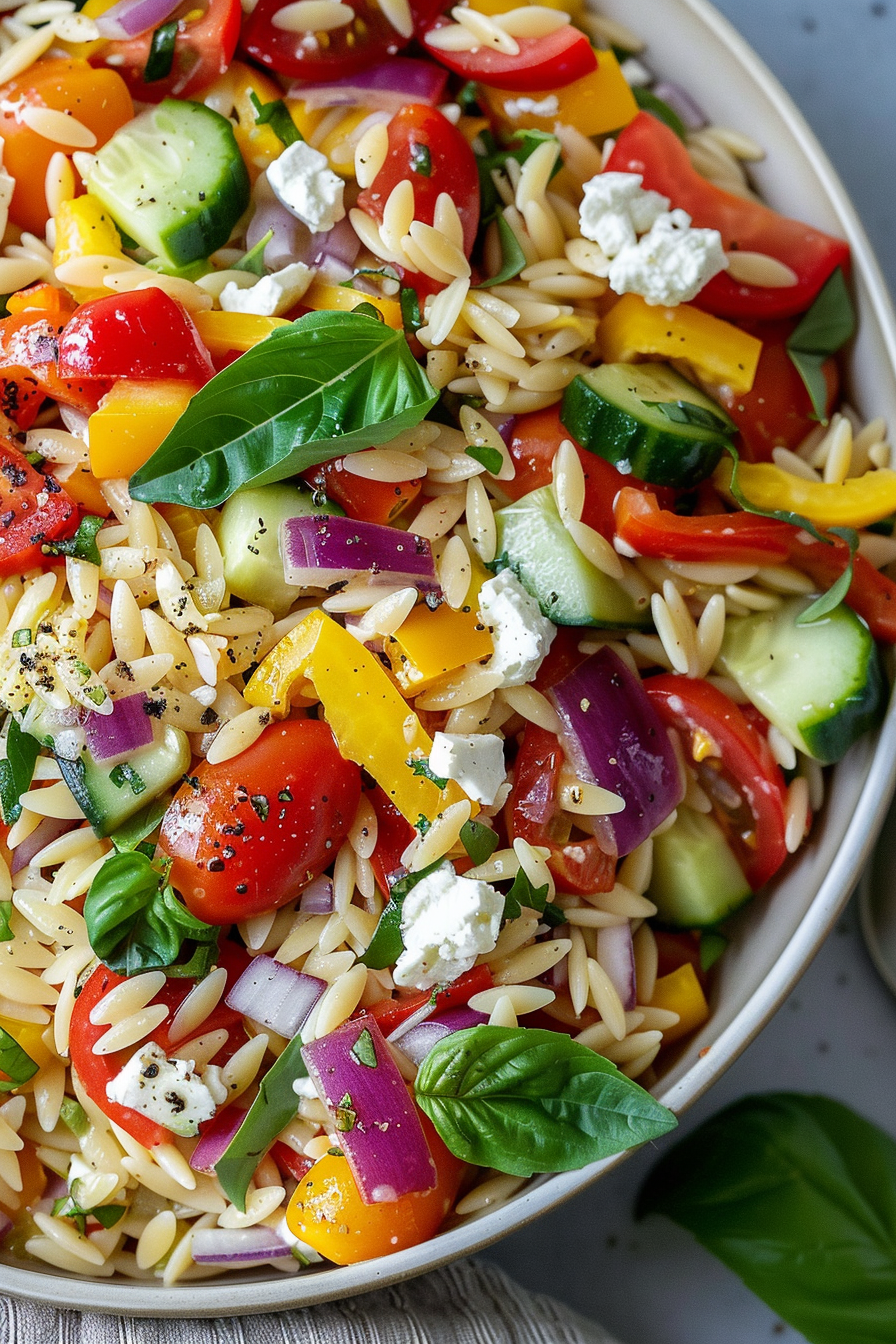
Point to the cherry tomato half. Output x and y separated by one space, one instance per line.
369 37
203 48
548 62
143 334
247 834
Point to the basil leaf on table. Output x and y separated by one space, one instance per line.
16 770
135 922
796 1194
827 326
330 383
524 1100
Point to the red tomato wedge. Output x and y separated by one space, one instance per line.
34 509
548 62
368 38
203 49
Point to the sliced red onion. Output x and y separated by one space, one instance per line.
390 85
130 18
215 1138
317 898
681 102
324 550
616 955
420 1039
379 1128
104 600
615 738
118 735
44 833
275 995
334 251
237 1245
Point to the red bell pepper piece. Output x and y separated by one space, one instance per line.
34 509
390 1013
29 347
548 62
393 835
726 538
647 146
143 334
871 594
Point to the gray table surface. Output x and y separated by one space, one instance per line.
650 1283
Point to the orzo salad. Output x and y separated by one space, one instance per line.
436 563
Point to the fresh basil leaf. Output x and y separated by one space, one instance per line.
161 53
796 1194
330 383
253 261
524 1100
686 413
14 1062
479 841
838 590
276 115
420 766
826 327
490 458
492 157
411 318
648 102
6 933
467 97
17 770
83 544
135 923
513 258
273 1108
368 309
107 1215
521 893
386 945
712 945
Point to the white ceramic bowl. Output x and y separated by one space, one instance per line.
691 43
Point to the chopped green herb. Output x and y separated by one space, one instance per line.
479 841
15 1063
421 159
6 933
105 1214
521 893
335 1152
260 806
368 310
410 310
513 258
21 638
276 115
364 1050
82 546
826 327
16 770
126 774
648 102
161 53
420 766
490 458
253 261
423 824
73 1114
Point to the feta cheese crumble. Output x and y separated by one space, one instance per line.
165 1090
273 295
446 923
653 251
303 181
476 763
522 636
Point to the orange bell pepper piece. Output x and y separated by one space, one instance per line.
131 423
596 104
681 992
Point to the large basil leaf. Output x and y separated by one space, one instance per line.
524 1101
796 1194
17 770
330 383
135 922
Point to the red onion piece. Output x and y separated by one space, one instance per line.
355 1074
104 600
317 898
324 550
237 1245
275 995
215 1138
118 735
334 251
421 1038
130 18
681 102
615 738
44 833
390 85
616 955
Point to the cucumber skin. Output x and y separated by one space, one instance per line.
696 881
253 561
568 588
750 647
658 456
106 806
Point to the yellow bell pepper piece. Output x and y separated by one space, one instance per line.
322 295
258 145
574 8
83 229
596 104
185 523
716 350
223 332
857 502
131 423
370 721
337 146
29 1036
681 992
84 488
429 644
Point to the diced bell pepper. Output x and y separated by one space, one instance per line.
855 502
321 295
83 229
681 992
596 104
223 333
131 423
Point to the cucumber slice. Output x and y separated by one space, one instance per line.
110 795
533 542
821 684
696 880
174 180
648 420
249 537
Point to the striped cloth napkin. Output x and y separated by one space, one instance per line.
471 1302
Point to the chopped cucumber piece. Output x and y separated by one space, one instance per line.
648 420
249 537
533 542
696 880
109 795
174 179
820 684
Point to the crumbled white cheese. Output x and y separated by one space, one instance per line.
476 763
304 182
213 1077
653 251
522 636
548 106
273 295
168 1091
446 923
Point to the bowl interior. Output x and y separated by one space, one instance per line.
690 43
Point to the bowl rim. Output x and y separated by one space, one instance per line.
247 1297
